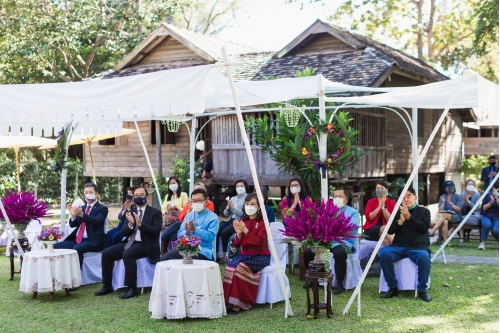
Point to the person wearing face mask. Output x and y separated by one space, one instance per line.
114 235
470 198
489 172
411 240
377 213
234 211
338 250
489 221
242 275
170 234
450 206
142 240
88 222
175 198
296 194
200 222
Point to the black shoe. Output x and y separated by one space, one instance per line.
231 311
104 291
424 296
74 289
132 292
390 293
338 289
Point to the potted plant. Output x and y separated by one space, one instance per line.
188 246
318 225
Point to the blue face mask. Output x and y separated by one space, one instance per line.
140 201
129 197
451 191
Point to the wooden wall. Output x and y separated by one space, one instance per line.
169 50
320 42
481 145
454 142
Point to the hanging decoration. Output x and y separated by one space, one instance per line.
173 122
292 114
60 149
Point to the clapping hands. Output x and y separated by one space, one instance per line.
404 212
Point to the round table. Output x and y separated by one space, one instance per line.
181 290
48 272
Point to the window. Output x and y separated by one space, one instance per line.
167 138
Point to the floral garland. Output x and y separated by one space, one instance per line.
60 149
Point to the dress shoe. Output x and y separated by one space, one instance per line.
390 293
74 289
104 291
132 292
338 289
424 296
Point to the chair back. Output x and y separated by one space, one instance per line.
214 249
106 225
280 247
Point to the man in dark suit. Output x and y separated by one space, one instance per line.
143 240
88 222
489 172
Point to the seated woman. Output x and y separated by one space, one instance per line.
377 213
242 275
471 197
174 202
296 194
170 234
234 211
450 206
489 221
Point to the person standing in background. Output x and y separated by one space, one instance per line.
489 172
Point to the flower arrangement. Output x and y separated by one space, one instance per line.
60 149
318 224
187 244
22 207
50 234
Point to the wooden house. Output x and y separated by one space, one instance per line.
340 56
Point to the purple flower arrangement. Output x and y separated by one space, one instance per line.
51 234
318 224
187 244
22 207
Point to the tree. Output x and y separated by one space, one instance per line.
53 40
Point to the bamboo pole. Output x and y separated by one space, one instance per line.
89 143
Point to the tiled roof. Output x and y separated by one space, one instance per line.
149 68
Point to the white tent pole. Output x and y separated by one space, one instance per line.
441 248
64 176
414 145
11 228
149 163
407 185
322 139
241 123
191 154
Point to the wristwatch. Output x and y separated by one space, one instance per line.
383 207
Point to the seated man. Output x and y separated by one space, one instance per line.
411 240
114 236
489 220
143 240
200 222
88 222
339 253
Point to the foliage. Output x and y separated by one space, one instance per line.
399 182
50 234
161 180
188 244
472 166
60 149
318 224
22 207
180 169
486 15
8 178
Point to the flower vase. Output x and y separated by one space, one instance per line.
317 265
187 257
50 246
20 227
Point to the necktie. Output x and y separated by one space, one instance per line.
132 237
81 230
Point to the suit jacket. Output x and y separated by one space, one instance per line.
94 225
150 232
484 175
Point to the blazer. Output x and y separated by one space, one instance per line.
150 232
484 175
94 225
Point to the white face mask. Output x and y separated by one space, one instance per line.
251 210
339 202
470 188
90 197
198 207
241 190
295 190
173 187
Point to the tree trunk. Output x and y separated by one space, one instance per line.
430 31
420 30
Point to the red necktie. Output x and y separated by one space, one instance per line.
81 231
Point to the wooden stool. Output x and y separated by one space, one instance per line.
13 247
315 278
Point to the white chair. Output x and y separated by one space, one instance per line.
91 266
406 274
366 248
145 274
269 285
353 271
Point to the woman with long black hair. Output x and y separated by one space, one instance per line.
296 195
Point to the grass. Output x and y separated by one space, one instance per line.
469 249
469 304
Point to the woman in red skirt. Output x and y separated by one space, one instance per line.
242 276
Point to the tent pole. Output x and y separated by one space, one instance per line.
322 139
241 123
11 228
64 175
457 229
414 145
407 185
192 138
149 162
16 150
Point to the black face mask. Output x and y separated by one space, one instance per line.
140 201
129 197
493 164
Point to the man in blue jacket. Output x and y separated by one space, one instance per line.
489 172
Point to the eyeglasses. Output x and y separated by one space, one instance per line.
140 196
198 201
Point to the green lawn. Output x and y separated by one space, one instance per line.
469 249
469 304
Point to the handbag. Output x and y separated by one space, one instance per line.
171 216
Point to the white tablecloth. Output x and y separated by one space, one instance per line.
181 291
45 272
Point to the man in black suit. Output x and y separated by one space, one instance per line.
143 240
489 172
88 222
